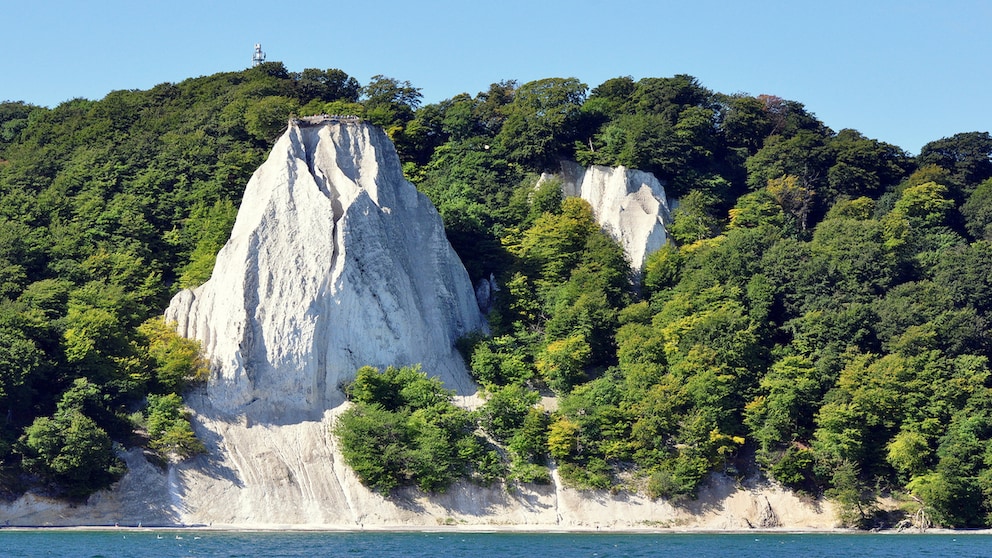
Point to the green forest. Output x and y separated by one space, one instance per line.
820 314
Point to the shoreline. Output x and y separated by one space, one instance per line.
487 529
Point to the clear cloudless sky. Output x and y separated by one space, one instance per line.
902 71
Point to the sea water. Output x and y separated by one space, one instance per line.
451 544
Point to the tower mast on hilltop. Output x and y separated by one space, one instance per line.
258 57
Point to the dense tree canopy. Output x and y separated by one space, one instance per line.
812 312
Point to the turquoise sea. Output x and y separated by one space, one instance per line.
166 543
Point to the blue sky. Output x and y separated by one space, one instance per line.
905 72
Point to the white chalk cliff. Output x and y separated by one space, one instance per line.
335 262
630 205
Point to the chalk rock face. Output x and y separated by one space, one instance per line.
485 292
335 262
630 205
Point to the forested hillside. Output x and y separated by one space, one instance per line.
822 314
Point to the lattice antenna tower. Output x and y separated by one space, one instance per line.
258 57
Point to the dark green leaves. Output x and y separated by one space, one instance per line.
402 430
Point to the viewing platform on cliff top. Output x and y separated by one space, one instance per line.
321 119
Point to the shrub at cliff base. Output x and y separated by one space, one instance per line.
402 429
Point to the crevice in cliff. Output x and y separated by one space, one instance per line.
310 142
319 397
344 157
251 303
